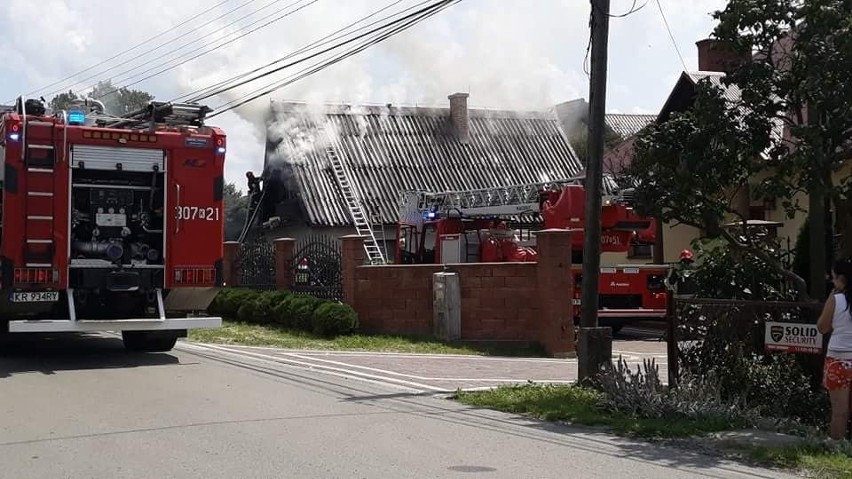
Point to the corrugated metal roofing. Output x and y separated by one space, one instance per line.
389 150
627 124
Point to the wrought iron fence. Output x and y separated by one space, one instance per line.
316 267
256 264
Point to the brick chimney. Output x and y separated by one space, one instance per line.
716 56
459 116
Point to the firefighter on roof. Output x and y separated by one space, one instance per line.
679 279
253 190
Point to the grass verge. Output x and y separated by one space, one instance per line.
816 459
579 405
246 334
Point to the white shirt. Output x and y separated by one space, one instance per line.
841 323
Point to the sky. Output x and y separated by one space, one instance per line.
507 54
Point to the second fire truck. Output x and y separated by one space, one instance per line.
472 226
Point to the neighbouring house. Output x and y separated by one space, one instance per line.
713 63
390 149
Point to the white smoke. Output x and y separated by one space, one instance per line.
508 54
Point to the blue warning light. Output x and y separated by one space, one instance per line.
76 117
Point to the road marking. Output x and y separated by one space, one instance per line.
317 352
342 372
421 378
382 375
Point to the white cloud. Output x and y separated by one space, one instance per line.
507 53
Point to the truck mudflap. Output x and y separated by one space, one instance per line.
75 324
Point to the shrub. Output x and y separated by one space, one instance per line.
229 301
332 319
282 312
265 307
642 394
285 310
302 312
727 340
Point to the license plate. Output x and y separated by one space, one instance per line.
575 302
35 296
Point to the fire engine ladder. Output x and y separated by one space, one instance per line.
498 201
39 157
356 210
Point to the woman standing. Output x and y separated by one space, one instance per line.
836 318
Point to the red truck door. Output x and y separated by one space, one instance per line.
195 214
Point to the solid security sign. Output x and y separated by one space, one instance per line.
793 338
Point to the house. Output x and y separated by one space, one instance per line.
389 149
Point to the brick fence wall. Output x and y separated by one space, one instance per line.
499 301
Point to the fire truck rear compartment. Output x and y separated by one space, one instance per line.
117 240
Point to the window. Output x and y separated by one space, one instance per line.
640 251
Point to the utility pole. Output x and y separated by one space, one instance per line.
595 344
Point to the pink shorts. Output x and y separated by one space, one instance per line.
837 373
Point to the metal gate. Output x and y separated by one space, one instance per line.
256 264
316 268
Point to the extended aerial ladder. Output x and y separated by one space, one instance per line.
503 201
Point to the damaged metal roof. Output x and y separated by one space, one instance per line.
387 150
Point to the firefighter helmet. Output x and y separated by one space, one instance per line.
686 255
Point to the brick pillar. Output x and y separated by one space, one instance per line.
230 264
283 256
555 282
353 256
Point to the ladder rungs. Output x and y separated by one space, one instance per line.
40 170
39 241
39 193
39 265
40 218
40 147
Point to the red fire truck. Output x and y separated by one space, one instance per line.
472 226
110 223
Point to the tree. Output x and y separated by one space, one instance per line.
63 101
117 101
236 210
802 69
689 169
580 142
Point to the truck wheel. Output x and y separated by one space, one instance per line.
148 341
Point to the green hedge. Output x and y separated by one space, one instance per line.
286 310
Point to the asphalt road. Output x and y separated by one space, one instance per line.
83 408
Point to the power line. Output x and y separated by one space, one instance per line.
166 57
144 53
417 18
222 90
328 38
129 49
205 52
660 6
633 9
